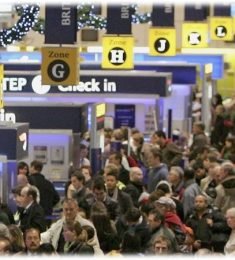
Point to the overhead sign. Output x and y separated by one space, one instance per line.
221 28
118 52
60 24
162 41
194 35
59 65
90 84
1 85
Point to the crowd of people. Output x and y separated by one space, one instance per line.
161 197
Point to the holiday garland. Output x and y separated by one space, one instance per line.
28 18
85 18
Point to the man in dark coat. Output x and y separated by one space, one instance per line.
48 195
33 215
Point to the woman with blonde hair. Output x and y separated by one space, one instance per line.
16 237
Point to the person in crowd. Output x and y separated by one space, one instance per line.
22 180
176 179
77 189
32 241
87 173
229 148
226 188
158 171
209 226
165 188
137 148
131 244
167 207
171 153
116 158
75 240
209 183
229 248
32 215
99 193
84 161
219 130
49 197
135 222
106 231
46 249
54 234
162 246
4 208
123 199
110 167
135 187
191 191
157 228
5 246
16 237
199 139
4 231
23 168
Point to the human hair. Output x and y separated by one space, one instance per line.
37 165
4 232
30 191
132 214
70 200
113 173
200 125
156 153
78 229
162 238
228 167
79 176
160 133
16 235
189 173
99 184
90 231
28 230
179 171
117 156
131 243
17 190
22 165
98 207
46 248
112 168
157 215
8 247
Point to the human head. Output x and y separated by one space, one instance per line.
227 169
200 203
198 128
22 180
165 204
160 137
162 245
36 166
16 191
154 157
70 210
4 232
230 217
230 142
28 195
5 246
111 180
175 175
16 235
23 168
77 179
136 175
32 239
189 173
99 189
46 249
74 232
132 215
131 243
115 158
155 219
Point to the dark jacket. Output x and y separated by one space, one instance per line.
171 154
199 141
48 195
124 201
211 237
33 217
134 189
80 249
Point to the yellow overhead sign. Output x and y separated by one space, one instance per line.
162 41
59 66
118 52
221 28
194 35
